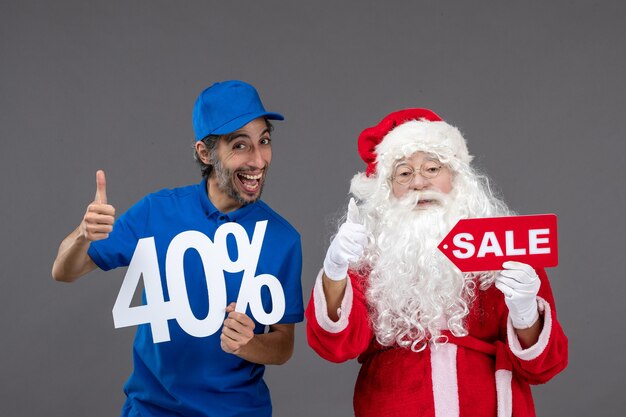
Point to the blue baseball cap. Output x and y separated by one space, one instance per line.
227 106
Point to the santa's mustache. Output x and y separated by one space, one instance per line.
412 198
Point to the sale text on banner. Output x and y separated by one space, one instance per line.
484 244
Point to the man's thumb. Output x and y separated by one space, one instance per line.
101 188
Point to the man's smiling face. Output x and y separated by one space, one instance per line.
240 162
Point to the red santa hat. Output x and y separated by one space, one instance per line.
401 134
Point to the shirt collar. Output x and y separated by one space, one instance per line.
210 210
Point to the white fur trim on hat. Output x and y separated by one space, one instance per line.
438 138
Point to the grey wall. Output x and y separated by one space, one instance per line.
538 89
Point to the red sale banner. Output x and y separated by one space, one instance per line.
484 244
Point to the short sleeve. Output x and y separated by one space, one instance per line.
117 250
290 278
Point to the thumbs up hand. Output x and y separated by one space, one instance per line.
100 216
101 188
347 246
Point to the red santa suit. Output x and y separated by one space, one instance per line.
486 373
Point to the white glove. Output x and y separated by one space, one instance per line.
347 246
520 284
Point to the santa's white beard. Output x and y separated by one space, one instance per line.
415 292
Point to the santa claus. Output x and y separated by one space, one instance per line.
431 340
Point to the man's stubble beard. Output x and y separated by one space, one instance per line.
225 181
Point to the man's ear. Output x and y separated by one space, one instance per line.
203 152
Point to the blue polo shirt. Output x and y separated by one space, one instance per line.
187 375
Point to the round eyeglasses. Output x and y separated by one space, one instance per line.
404 173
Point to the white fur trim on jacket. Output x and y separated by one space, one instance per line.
537 349
321 309
445 381
504 393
